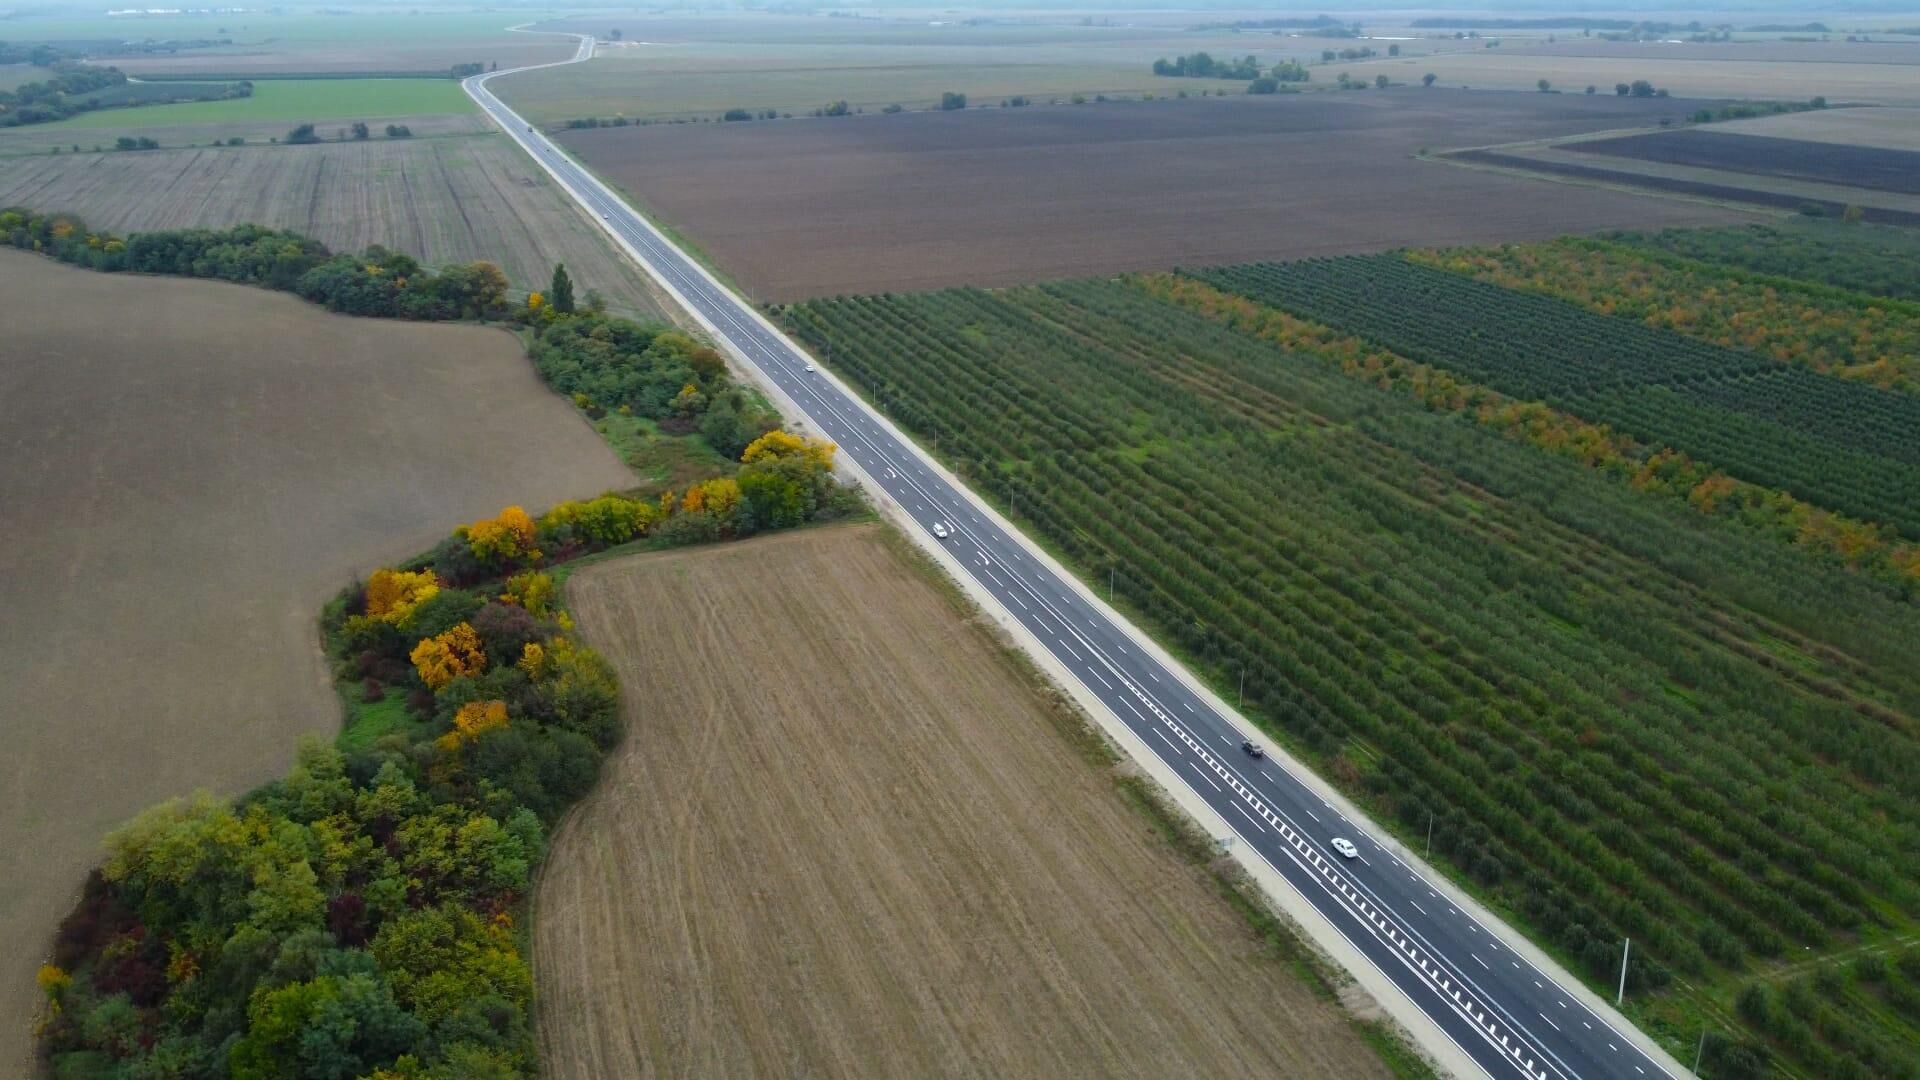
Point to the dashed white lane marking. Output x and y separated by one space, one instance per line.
1102 678
1313 815
1416 904
1586 1025
1549 1021
1269 776
1022 603
1166 740
1477 960
1536 982
1250 817
1152 676
1207 778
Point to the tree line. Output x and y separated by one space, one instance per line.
377 282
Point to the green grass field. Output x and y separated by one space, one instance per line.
294 101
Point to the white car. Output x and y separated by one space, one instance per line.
810 367
941 531
1345 847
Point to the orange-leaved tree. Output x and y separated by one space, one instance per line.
473 719
445 657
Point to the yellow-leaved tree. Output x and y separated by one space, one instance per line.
392 595
445 657
506 538
532 591
783 444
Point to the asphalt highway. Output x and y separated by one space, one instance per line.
1511 1019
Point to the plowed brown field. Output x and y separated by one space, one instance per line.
843 838
191 469
804 208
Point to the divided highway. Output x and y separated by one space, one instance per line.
1508 1017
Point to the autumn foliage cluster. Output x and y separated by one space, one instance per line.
358 917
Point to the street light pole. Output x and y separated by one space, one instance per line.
1700 1053
1625 951
1112 572
1243 685
1429 834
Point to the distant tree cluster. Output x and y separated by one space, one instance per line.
1639 88
376 282
132 142
56 98
1201 65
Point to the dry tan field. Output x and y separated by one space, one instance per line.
441 200
1499 69
996 197
844 838
1888 129
192 469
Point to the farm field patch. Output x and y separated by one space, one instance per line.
1887 128
993 197
1857 166
441 200
171 445
671 66
1626 716
843 837
1501 69
276 41
291 100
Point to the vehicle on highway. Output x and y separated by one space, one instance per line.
1345 847
810 365
940 530
1253 749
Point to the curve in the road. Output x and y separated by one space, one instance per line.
1509 1017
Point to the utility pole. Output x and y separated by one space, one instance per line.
1700 1053
1112 572
1625 951
1429 834
1243 684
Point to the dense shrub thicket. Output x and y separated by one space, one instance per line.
376 282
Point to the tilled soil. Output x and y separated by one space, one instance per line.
804 208
843 838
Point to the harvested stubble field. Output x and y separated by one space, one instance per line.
1887 128
1869 167
1771 79
36 139
193 469
844 838
269 42
697 66
440 200
995 197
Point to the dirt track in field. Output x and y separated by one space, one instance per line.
803 208
192 468
843 838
